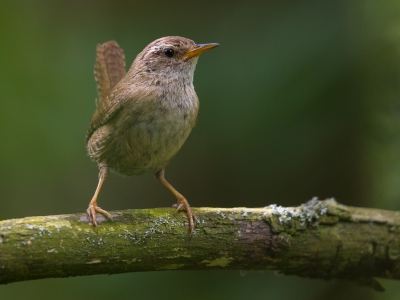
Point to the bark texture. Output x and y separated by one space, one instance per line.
319 239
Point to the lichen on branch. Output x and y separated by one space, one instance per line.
319 239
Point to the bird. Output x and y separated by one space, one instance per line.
143 116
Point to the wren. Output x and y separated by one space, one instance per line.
143 117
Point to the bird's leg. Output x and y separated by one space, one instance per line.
93 208
183 204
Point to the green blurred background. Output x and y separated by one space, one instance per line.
300 100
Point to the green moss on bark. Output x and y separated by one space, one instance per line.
320 239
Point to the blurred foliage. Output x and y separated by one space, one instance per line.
300 100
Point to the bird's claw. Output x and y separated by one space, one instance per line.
91 212
183 204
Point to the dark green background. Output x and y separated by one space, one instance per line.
300 100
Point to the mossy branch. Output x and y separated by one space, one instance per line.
320 239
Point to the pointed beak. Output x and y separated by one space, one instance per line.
198 49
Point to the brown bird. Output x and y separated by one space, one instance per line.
143 117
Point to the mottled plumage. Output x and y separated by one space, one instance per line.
143 117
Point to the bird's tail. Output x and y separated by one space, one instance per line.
109 68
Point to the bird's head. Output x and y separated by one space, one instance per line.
172 57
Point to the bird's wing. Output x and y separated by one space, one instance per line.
108 71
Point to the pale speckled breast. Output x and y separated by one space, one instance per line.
145 135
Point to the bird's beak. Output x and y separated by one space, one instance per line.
198 49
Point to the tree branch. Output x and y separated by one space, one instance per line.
320 239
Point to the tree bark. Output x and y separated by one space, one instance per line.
319 239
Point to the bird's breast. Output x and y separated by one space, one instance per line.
145 135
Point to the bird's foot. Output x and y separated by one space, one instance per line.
91 212
183 204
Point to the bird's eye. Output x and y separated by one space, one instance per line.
169 52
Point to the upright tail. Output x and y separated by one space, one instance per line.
109 68
108 71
